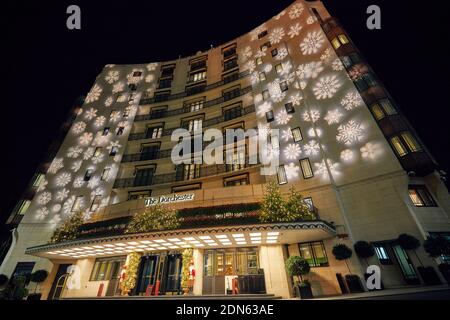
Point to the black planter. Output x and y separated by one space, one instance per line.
429 276
303 292
34 296
354 283
445 271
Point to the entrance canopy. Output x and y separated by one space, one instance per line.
205 238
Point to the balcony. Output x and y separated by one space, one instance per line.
206 123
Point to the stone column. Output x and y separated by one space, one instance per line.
198 266
271 260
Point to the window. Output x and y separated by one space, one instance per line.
230 77
274 52
105 131
198 64
39 178
237 160
162 96
77 204
105 174
187 187
97 152
187 171
135 195
283 86
269 116
197 76
398 146
232 113
236 181
382 253
230 64
113 151
88 174
192 124
96 203
23 269
281 175
229 51
289 107
231 93
411 142
279 68
336 44
420 196
297 134
119 131
167 70
343 38
314 253
262 76
259 61
262 34
265 94
24 205
165 83
377 111
158 112
265 46
195 106
306 168
107 269
387 106
154 132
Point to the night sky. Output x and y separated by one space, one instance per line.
48 66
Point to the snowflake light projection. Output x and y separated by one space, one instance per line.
292 151
152 66
294 30
90 114
121 98
44 198
88 153
42 213
286 68
250 66
292 171
63 179
94 94
78 182
370 151
135 76
123 124
347 155
263 108
260 53
62 194
275 91
282 53
272 153
56 165
76 165
312 116
42 185
78 127
150 78
326 87
337 65
296 99
100 140
67 206
321 168
309 70
98 158
109 101
276 35
315 133
333 116
282 117
326 56
296 11
100 121
286 135
112 76
93 182
114 144
312 43
74 152
245 54
118 87
56 208
115 116
310 20
351 101
311 148
263 130
350 132
85 139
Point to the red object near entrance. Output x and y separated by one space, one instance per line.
157 287
149 290
234 286
100 289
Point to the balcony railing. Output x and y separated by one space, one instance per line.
206 123
145 100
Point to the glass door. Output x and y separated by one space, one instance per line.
148 273
173 274
406 266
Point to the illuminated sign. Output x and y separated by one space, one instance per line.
151 201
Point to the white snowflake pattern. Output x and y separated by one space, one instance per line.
93 182
337 65
109 101
276 35
135 76
357 71
313 116
286 135
115 116
246 53
310 20
333 116
291 170
98 158
263 108
326 56
315 132
350 132
76 165
296 99
326 87
275 91
67 206
283 117
90 114
63 179
309 70
88 153
312 43
44 198
282 53
114 144
152 66
263 130
149 78
321 168
74 152
292 151
78 182
296 11
118 87
42 185
62 194
100 121
56 208
294 30
351 101
347 155
94 94
369 151
56 165
261 52
112 76
311 148
78 127
254 78
250 66
42 213
85 139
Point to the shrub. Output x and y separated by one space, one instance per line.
364 250
342 252
155 217
69 230
297 266
436 246
38 276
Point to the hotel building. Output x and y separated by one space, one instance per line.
343 143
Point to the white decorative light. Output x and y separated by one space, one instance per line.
62 194
74 152
291 170
283 117
337 65
78 182
85 139
296 99
118 87
63 179
350 132
94 94
56 165
90 114
76 165
112 76
276 35
44 198
312 116
292 151
78 127
312 42
286 134
42 185
294 30
369 151
333 116
282 53
326 87
296 11
351 100
326 56
311 148
263 108
152 66
42 212
347 155
88 153
100 121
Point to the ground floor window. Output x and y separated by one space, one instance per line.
107 268
23 269
382 253
314 253
231 262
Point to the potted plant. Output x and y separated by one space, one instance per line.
437 246
428 274
298 267
37 277
364 250
342 252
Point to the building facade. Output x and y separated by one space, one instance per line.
343 143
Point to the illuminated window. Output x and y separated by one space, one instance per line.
306 168
265 94
289 107
154 132
113 151
377 111
259 61
24 205
192 124
105 174
343 38
88 174
297 134
274 52
134 195
398 146
119 131
275 142
77 204
284 86
262 76
105 131
335 42
96 203
281 175
195 106
411 142
236 181
420 196
387 106
97 152
314 253
198 76
382 253
279 68
39 178
269 116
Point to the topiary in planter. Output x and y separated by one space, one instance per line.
38 277
364 250
342 252
409 242
436 246
298 267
